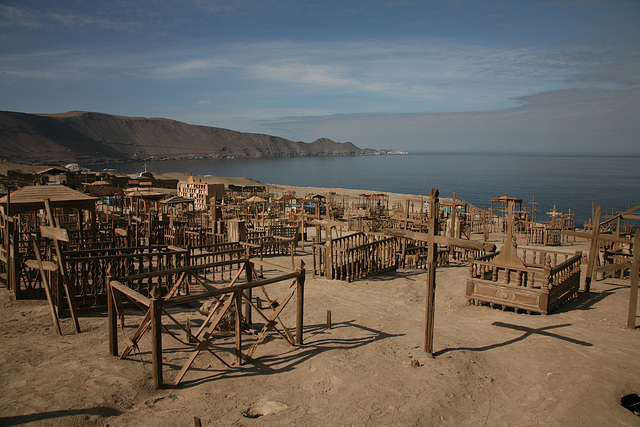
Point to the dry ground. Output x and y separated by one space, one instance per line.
492 367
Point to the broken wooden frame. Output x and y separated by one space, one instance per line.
227 297
597 239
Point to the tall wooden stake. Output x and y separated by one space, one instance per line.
300 304
156 338
593 249
633 275
432 248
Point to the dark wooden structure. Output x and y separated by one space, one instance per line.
509 280
19 219
233 296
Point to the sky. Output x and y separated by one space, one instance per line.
418 76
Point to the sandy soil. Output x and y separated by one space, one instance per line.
492 367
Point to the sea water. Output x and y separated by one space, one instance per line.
569 182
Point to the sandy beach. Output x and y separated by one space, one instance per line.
491 367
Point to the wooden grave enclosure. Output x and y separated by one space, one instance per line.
511 280
162 307
355 256
88 269
551 232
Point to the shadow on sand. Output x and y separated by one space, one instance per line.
527 333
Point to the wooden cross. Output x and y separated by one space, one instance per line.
433 240
57 234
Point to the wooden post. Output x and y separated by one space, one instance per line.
432 248
328 319
300 304
248 293
112 320
302 232
156 337
593 249
485 230
237 231
328 253
13 269
237 296
633 276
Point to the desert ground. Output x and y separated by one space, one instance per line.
491 367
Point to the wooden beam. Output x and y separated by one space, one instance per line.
442 240
612 267
633 275
300 304
155 309
185 299
137 296
54 233
431 271
593 249
183 269
602 237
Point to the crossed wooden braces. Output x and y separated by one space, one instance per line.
225 298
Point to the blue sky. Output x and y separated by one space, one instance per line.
520 76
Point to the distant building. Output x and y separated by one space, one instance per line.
53 176
201 192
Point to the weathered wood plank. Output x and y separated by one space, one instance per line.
54 233
131 293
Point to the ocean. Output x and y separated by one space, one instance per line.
569 182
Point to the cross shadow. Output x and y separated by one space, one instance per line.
316 343
102 411
527 333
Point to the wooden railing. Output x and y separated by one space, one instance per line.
355 256
531 288
542 257
87 270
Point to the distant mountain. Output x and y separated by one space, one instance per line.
84 137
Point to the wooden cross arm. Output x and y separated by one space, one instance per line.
185 299
602 237
443 240
137 296
54 233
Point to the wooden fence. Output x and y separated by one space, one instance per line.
355 256
228 298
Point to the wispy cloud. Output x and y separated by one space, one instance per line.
15 16
79 21
12 16
189 68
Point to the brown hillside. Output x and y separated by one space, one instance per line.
79 136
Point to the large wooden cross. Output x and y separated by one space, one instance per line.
433 240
